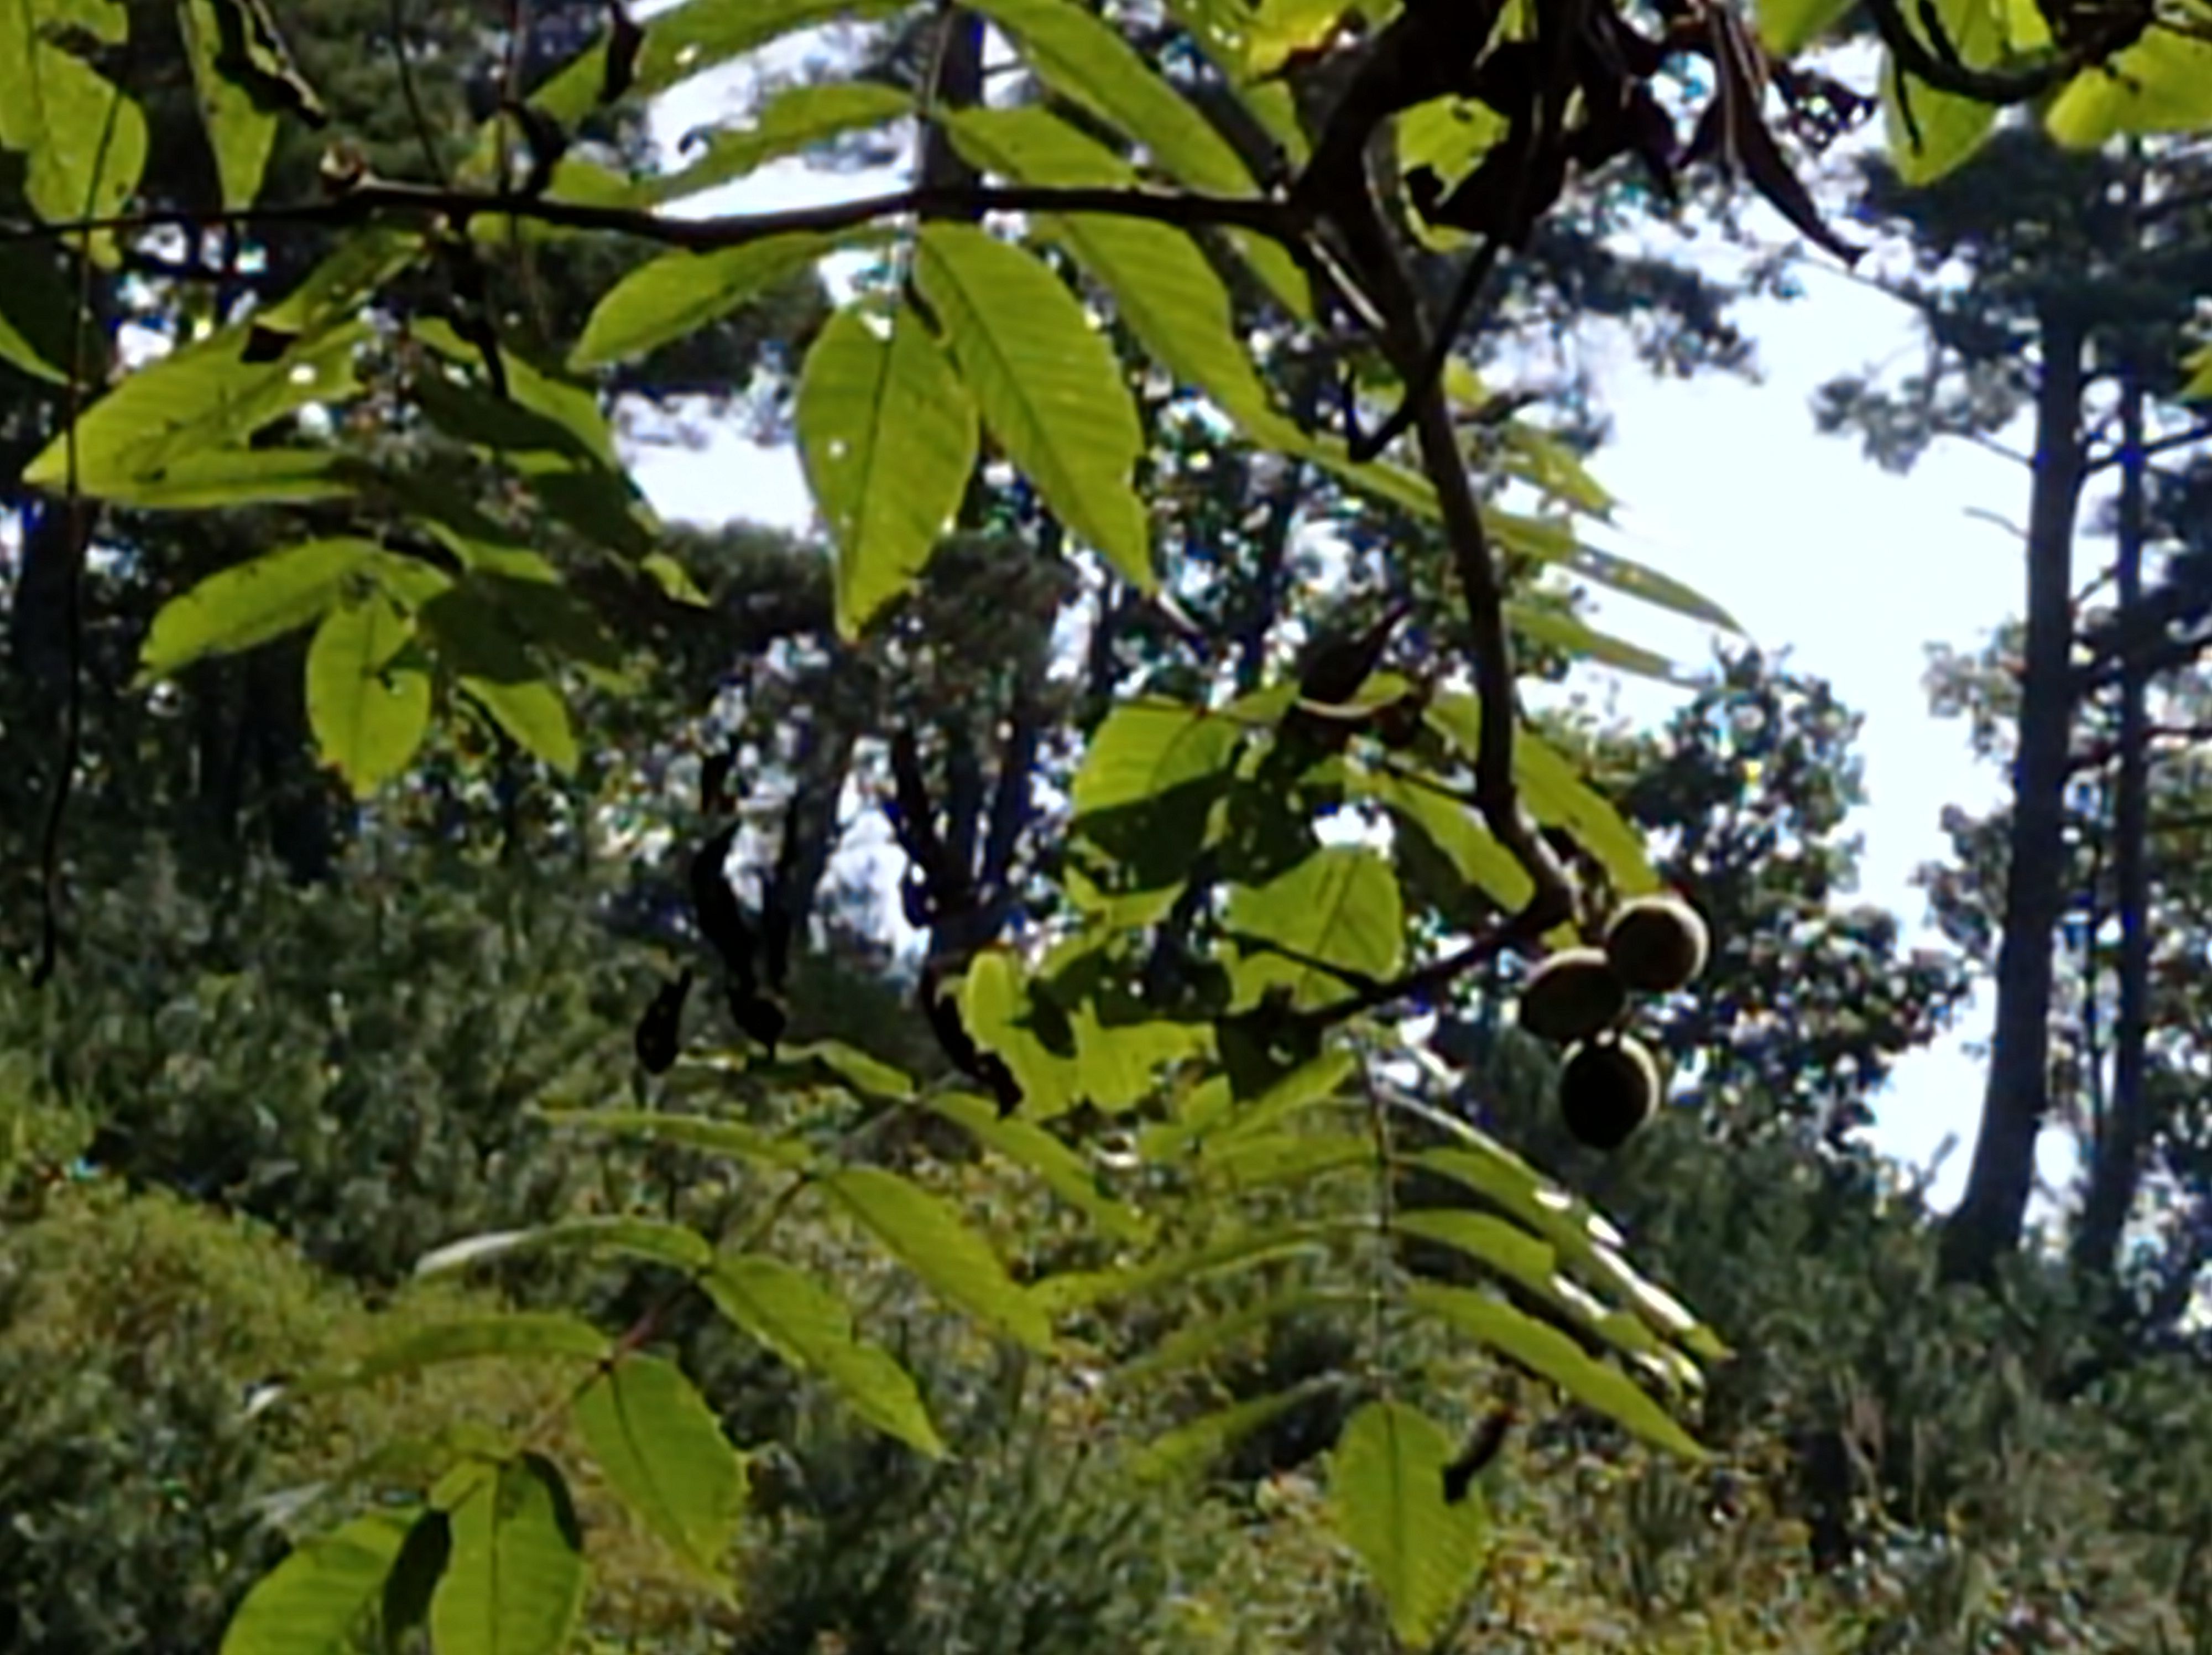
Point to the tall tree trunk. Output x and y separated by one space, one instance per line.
2116 1159
955 81
39 616
1987 1224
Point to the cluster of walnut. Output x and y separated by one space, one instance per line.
1609 1084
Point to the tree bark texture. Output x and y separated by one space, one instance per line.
1987 1224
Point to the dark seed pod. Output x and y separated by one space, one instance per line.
720 916
761 1018
660 1031
1574 994
1482 1447
1607 1089
1657 944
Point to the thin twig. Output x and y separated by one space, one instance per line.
411 94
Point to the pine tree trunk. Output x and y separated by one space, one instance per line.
2116 1161
1987 1225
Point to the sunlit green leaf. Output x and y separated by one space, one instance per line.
854 1067
1074 1290
1106 1059
924 1234
794 119
514 1582
198 398
1555 794
1448 136
1551 1354
225 478
1787 26
1046 383
1083 56
2162 83
689 40
679 292
1387 1496
1149 747
1338 908
1531 1264
1945 128
888 436
1454 830
1143 799
252 603
663 1451
325 1595
84 140
1636 580
520 1334
241 132
1543 460
369 709
1221 30
2199 370
1212 1111
1029 1145
1277 30
545 412
534 718
1164 288
808 1326
1258 1160
1576 637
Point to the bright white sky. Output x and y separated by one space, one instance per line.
1726 486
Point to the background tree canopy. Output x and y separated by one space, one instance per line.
489 1169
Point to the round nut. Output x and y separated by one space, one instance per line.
1657 944
1572 996
1609 1087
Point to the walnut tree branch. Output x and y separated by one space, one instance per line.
1278 220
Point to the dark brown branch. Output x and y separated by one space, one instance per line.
1278 220
2096 757
2117 453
